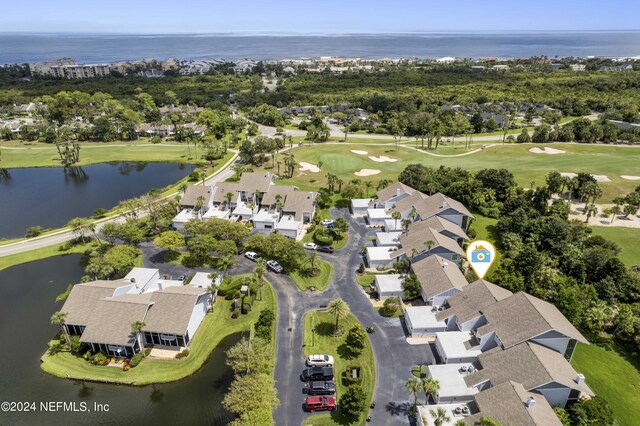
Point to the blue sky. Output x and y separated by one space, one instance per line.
320 16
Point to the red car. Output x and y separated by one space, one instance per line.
318 403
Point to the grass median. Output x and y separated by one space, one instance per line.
215 326
323 341
319 281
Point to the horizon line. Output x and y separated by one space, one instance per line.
314 33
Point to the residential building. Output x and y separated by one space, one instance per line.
510 404
421 321
101 312
538 368
453 388
389 285
439 279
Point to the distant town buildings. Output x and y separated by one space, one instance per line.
67 68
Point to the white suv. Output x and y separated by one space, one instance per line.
252 255
320 361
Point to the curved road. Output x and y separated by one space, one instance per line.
394 357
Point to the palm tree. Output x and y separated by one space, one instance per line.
279 204
414 386
136 328
428 244
405 225
414 252
339 182
338 308
59 318
312 257
199 203
213 287
614 211
382 184
396 215
368 184
590 210
229 197
439 416
259 270
431 387
413 214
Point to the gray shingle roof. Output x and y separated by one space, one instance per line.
528 363
467 304
83 297
269 198
438 203
435 278
298 202
412 201
393 189
250 182
521 317
172 309
411 240
221 190
506 404
111 320
192 193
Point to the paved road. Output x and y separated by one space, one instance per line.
394 357
62 236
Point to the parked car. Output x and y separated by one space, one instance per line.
325 249
310 246
319 403
321 388
182 277
252 255
275 266
327 222
319 360
317 373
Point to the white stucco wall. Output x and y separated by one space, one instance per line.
197 315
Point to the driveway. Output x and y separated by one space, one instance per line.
394 357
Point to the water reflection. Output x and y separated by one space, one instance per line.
5 175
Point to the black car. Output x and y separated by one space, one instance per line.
317 373
325 249
321 388
275 266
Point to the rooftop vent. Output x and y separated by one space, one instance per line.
531 403
580 379
445 265
132 279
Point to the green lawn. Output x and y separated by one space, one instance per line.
366 280
338 159
626 238
486 229
325 343
42 253
613 374
320 281
213 329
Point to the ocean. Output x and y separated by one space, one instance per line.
101 48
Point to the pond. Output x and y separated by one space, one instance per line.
27 294
50 196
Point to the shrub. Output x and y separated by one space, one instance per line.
99 213
353 402
147 351
360 268
34 231
183 354
322 239
135 360
246 308
99 359
236 313
264 324
390 307
76 345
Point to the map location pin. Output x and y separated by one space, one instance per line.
481 254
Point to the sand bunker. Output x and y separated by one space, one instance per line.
627 177
308 167
598 178
383 159
546 151
367 172
356 151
